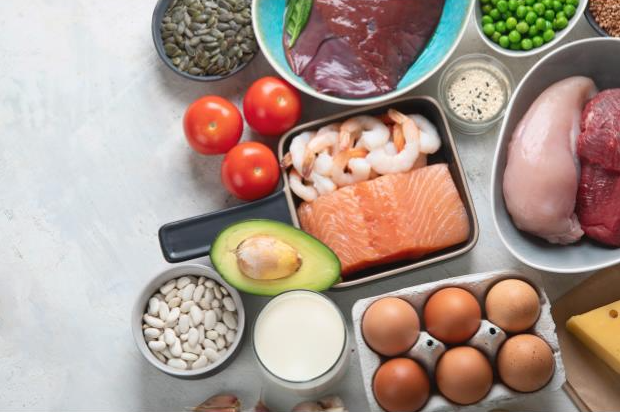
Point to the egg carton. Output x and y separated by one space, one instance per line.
489 337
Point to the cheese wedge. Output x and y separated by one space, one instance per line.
599 330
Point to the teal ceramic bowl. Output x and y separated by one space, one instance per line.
268 16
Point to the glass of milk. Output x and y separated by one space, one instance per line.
300 340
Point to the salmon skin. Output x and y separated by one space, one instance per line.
390 218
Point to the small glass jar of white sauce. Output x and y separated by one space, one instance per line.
474 91
301 342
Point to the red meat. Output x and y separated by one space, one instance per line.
598 199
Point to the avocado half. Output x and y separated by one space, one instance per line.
266 257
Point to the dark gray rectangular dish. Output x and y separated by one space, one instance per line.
191 238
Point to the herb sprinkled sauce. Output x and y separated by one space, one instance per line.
476 95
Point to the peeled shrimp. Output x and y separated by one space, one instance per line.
323 184
370 131
323 164
429 138
354 160
297 150
306 192
324 140
384 160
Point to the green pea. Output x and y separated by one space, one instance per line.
548 25
521 11
515 46
513 4
537 41
485 1
523 27
500 27
557 5
488 29
504 42
560 14
511 23
486 19
549 15
539 8
541 24
533 31
573 3
531 17
495 37
494 2
502 6
530 2
569 10
514 36
548 4
548 35
527 44
495 14
486 9
560 23
506 15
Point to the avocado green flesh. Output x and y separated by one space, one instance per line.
319 270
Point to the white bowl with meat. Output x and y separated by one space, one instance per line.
556 175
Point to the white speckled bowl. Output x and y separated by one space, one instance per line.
545 47
152 287
599 59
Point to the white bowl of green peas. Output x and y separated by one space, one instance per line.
521 28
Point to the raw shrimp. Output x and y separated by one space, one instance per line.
370 131
323 184
306 192
429 138
295 156
384 160
324 140
354 160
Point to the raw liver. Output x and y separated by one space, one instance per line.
598 199
361 48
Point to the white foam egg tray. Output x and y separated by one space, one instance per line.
487 339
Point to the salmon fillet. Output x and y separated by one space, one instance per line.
393 217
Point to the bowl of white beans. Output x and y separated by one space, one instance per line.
188 322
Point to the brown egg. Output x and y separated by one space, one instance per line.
390 326
525 363
464 375
513 305
401 385
452 315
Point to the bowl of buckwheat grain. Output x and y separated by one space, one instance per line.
187 322
204 40
604 17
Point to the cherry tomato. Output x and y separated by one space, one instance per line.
271 106
212 125
250 171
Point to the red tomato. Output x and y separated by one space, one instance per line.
212 125
250 171
271 106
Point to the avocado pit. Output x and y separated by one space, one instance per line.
264 257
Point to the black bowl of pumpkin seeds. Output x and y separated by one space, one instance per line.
204 40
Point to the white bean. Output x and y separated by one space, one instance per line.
208 343
177 363
209 295
230 320
220 342
230 336
167 354
198 292
210 319
174 302
188 291
152 333
218 314
224 291
192 349
221 328
209 283
186 306
171 295
159 356
212 335
159 296
168 286
189 356
153 306
211 354
218 292
157 346
200 363
173 316
169 336
201 280
176 330
184 323
176 348
182 282
192 338
229 304
216 304
197 315
164 311
154 322
184 337
204 304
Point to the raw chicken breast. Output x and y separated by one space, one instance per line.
542 173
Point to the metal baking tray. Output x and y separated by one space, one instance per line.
191 238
